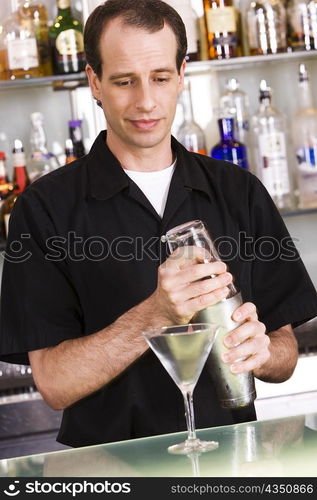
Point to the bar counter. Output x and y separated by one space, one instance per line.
285 447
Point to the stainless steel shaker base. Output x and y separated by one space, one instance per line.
233 390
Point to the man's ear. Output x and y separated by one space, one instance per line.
94 82
181 77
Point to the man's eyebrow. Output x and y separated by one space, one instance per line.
117 76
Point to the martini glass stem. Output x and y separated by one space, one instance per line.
189 413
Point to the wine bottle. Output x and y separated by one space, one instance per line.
190 134
20 181
190 19
66 40
229 148
269 130
304 128
222 25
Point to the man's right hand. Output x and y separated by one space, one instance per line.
182 290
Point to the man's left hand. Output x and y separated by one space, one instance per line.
248 344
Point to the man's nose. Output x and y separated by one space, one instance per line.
145 97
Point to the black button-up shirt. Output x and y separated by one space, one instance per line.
84 247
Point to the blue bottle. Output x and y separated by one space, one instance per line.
229 148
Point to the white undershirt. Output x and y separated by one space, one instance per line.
155 185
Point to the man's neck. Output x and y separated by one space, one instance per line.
141 159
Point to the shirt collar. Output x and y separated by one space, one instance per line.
107 177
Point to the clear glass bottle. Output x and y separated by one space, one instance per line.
304 131
234 103
34 14
229 148
302 24
190 19
21 47
190 134
269 130
42 161
266 27
66 40
76 135
222 25
20 181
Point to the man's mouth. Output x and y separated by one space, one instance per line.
144 124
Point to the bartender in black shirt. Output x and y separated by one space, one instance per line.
90 273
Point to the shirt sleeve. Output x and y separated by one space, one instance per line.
39 305
281 287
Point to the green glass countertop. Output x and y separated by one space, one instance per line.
285 447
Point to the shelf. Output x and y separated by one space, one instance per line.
299 211
58 82
248 61
74 80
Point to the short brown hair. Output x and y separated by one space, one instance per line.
150 15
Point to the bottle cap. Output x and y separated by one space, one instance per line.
74 123
18 146
37 118
303 73
265 90
232 84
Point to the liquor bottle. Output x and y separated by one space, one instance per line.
222 25
190 19
5 186
66 40
21 47
42 161
229 148
189 133
266 27
304 128
269 129
20 181
4 75
234 103
33 14
76 136
302 24
69 152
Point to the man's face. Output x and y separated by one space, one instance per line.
139 84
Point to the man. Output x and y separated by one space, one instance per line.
95 274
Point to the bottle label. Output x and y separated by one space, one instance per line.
307 175
19 159
22 54
221 20
70 42
274 171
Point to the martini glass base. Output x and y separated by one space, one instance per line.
193 445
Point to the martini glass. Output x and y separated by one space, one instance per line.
183 351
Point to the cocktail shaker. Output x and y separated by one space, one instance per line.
233 390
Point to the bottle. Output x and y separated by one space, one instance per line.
20 181
76 136
66 40
21 47
33 14
222 25
302 24
233 390
229 148
4 75
266 27
5 186
69 151
304 129
189 133
42 161
190 19
234 103
269 130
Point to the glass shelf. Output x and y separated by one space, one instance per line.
72 81
299 211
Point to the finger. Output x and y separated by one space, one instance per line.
183 256
250 364
202 301
202 287
244 332
246 311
